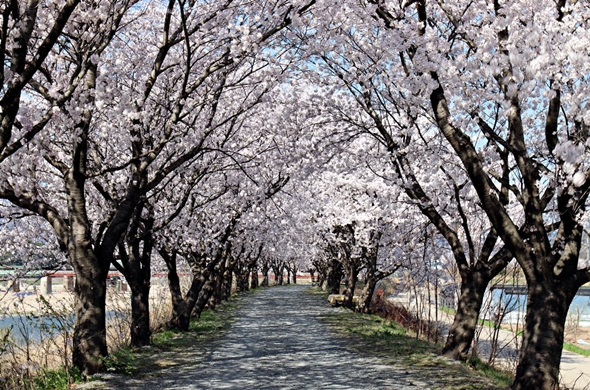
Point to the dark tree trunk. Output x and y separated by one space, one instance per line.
245 280
254 277
226 283
350 285
140 314
182 307
543 336
312 275
265 270
180 317
278 275
468 307
241 280
365 299
207 292
136 268
204 298
219 288
174 286
91 268
213 301
288 275
294 274
89 340
372 275
334 276
181 312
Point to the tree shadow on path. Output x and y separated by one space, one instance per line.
276 342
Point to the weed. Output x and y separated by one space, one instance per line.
60 379
376 336
501 377
121 362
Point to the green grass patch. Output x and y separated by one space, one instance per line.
60 379
121 361
575 349
373 335
318 292
44 379
500 377
448 310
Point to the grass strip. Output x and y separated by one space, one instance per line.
575 349
375 336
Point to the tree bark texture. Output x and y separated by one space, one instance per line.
465 321
543 336
140 314
89 340
265 270
366 296
334 276
254 277
350 285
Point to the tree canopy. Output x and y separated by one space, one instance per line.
335 136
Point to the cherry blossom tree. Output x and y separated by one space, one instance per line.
502 85
135 117
61 96
430 178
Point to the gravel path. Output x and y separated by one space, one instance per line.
277 342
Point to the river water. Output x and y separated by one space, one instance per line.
33 328
515 307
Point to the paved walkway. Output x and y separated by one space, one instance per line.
275 344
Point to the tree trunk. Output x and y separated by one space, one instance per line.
364 302
181 307
246 280
239 281
91 268
89 340
226 284
180 317
264 282
278 276
218 293
468 307
205 294
140 314
540 355
351 279
254 278
334 276
181 312
135 266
